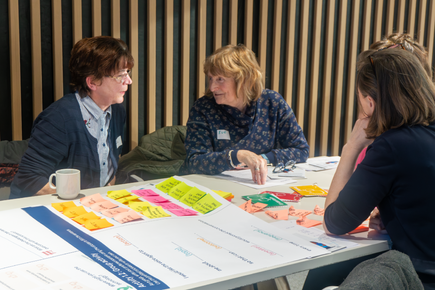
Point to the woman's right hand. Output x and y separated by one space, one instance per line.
358 138
256 164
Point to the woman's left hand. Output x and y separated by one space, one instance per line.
256 164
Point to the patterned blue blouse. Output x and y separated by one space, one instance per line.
268 127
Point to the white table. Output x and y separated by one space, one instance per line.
369 242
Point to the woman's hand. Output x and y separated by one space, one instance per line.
358 138
376 222
256 164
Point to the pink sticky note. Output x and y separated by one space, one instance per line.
170 205
128 216
298 212
279 214
144 192
318 210
303 221
183 212
89 200
155 199
110 213
99 206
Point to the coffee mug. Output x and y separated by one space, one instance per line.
67 183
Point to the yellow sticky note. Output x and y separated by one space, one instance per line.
155 212
61 206
179 190
139 206
126 199
206 204
75 211
192 196
312 190
115 194
224 194
166 185
81 219
97 224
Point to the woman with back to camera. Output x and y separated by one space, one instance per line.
397 173
238 122
408 43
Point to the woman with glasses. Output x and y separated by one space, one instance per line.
238 123
84 129
397 173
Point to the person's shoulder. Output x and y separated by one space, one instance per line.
61 109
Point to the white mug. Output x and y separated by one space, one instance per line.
67 183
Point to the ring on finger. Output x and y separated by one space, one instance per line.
256 168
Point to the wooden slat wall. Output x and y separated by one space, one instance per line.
307 50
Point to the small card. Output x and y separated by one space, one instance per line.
183 212
62 206
117 194
298 212
89 200
127 199
285 196
310 190
75 211
144 192
97 224
318 211
266 198
192 196
139 206
128 216
179 190
155 212
99 206
110 213
166 185
206 204
170 205
305 222
155 199
81 219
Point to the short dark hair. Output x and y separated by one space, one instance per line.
403 92
98 56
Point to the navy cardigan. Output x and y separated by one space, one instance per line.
60 139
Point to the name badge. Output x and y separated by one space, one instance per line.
223 135
118 141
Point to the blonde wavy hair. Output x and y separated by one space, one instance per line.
237 62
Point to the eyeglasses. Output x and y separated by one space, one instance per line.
388 47
122 77
288 166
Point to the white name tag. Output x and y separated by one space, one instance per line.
223 135
118 141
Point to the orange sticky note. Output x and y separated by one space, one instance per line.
303 221
128 216
81 219
318 210
61 206
110 213
89 200
279 214
258 206
298 212
247 206
359 229
99 206
75 211
97 224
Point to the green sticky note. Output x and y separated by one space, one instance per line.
206 204
179 190
192 196
265 198
166 185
